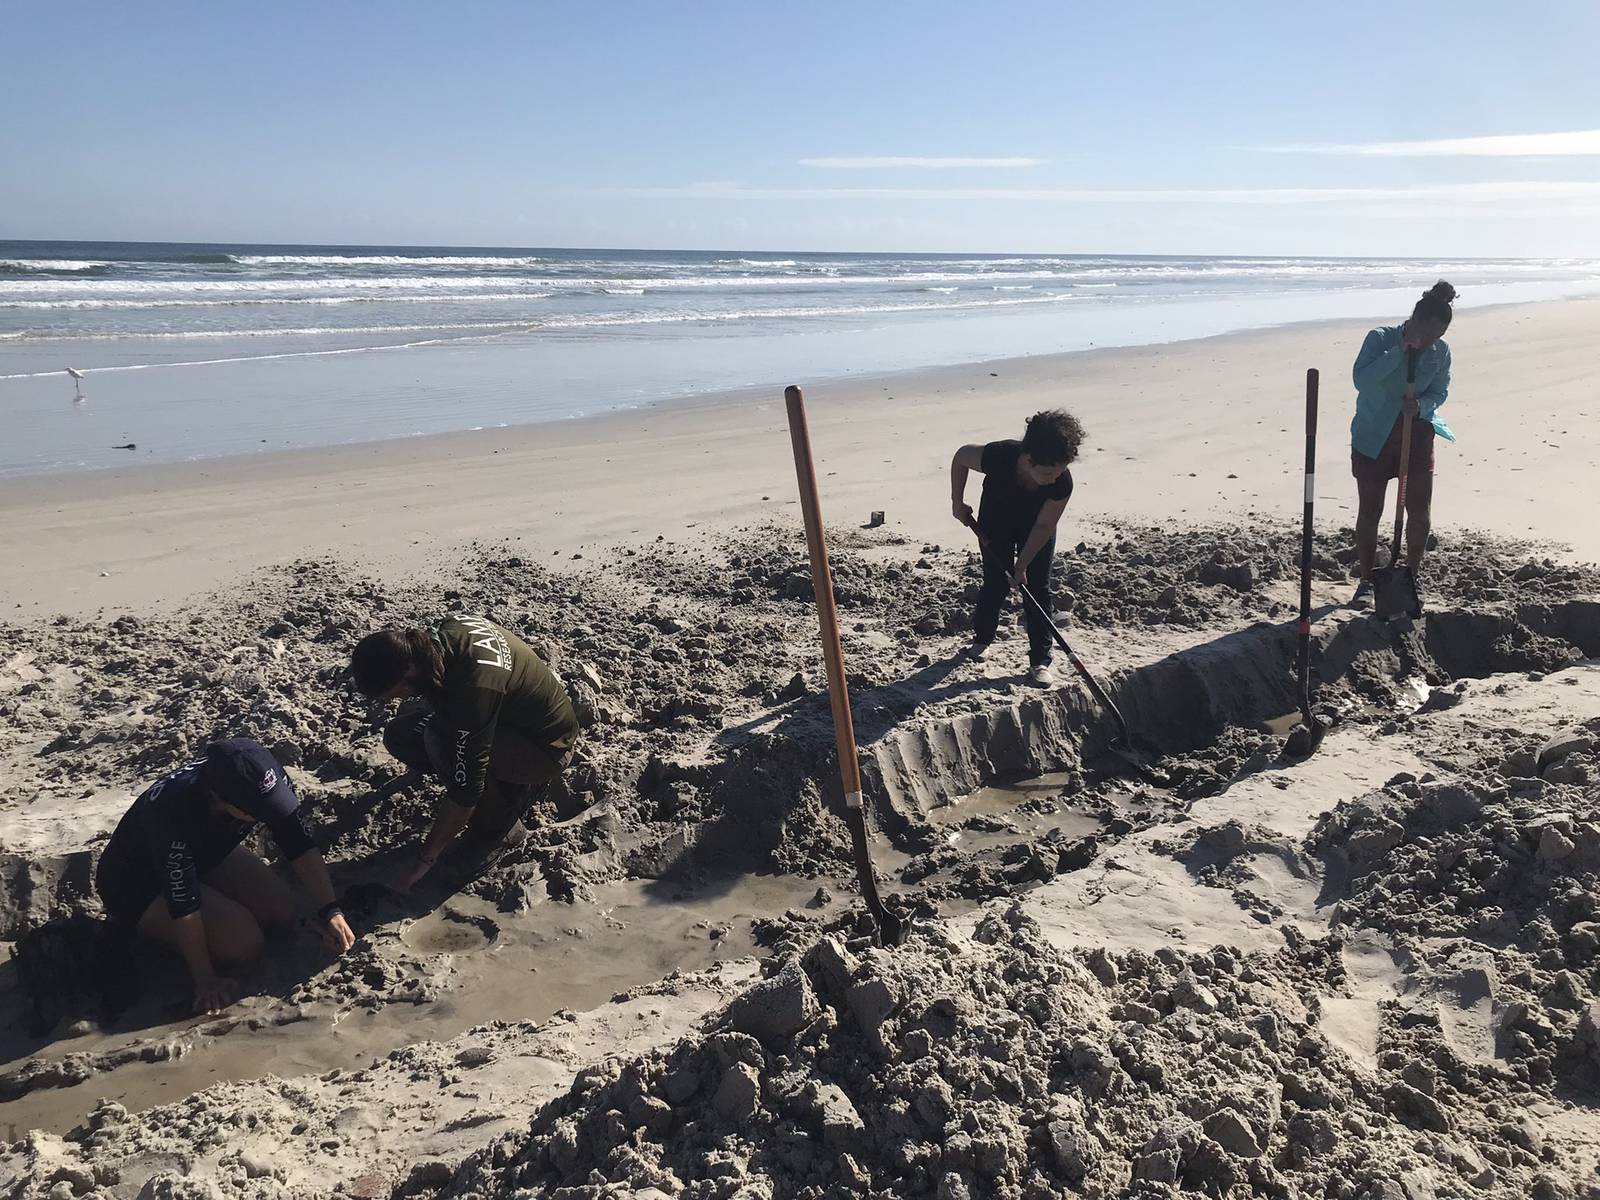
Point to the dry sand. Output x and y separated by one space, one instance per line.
1197 430
1370 975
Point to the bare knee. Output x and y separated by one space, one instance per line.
273 908
235 941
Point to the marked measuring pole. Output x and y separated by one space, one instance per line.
1304 665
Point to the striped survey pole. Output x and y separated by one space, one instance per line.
1306 548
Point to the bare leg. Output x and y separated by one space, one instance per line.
1419 518
246 880
232 935
1371 494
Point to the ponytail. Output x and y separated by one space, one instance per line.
1434 307
383 659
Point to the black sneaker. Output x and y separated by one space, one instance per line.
1363 596
1422 593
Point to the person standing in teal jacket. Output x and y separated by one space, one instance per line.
1380 379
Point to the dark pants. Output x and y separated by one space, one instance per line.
999 559
519 769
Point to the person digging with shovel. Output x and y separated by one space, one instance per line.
496 726
1376 431
1026 486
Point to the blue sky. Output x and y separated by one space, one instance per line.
1161 127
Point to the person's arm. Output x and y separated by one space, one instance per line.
1044 528
313 873
449 819
1375 364
211 992
1432 397
968 458
469 732
293 834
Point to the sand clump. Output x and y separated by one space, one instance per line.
681 662
707 747
990 1064
1492 880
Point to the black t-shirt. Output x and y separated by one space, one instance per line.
171 836
1007 509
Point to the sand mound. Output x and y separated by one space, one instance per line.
708 743
994 1065
1492 881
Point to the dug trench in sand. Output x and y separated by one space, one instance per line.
703 733
1156 984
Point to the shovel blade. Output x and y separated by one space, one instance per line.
1394 594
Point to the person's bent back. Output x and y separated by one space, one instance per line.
496 728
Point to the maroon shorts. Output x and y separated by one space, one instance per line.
1387 465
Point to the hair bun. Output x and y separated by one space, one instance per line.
1442 292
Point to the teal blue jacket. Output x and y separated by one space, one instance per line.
1380 379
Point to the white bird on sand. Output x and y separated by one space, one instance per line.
77 383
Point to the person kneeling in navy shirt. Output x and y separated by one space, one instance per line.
175 870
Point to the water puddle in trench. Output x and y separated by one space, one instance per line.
485 966
492 966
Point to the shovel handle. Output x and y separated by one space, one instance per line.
833 655
1405 457
1098 692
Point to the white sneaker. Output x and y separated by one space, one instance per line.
978 651
1042 675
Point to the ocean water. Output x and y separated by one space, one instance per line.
192 351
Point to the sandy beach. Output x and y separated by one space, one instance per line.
1370 973
1190 431
459 741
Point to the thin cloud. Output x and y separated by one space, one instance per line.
926 164
1515 192
1579 142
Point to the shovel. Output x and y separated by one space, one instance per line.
1305 737
891 927
1122 747
1394 587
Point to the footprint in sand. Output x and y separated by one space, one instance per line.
450 933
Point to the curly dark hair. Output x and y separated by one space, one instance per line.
1053 437
1435 305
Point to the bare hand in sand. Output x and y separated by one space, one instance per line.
336 934
407 874
213 995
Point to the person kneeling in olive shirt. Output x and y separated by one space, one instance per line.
496 729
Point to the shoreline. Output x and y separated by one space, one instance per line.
135 536
245 395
